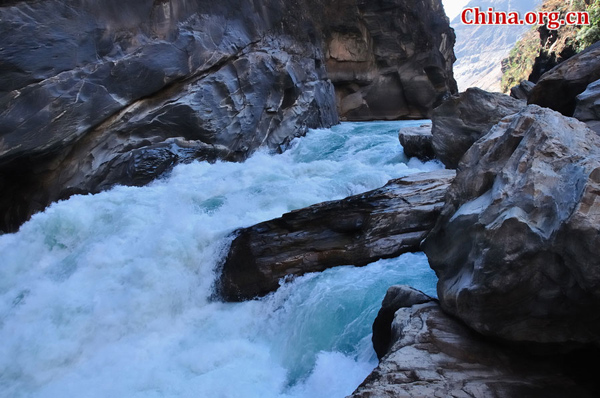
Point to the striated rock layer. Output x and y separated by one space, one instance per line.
516 246
358 230
434 355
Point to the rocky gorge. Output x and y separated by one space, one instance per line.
98 93
514 248
510 228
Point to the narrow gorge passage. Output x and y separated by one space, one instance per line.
112 294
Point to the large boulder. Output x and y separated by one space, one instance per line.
358 230
588 106
434 355
559 87
517 247
522 90
463 119
417 142
389 59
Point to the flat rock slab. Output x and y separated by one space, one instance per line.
358 230
435 355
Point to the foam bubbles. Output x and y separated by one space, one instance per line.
110 294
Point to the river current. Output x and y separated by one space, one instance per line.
112 295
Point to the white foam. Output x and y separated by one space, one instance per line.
109 294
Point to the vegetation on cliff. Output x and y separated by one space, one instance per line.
541 49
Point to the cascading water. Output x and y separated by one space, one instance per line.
110 295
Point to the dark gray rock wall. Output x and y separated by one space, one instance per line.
94 93
559 87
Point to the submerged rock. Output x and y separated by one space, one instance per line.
358 230
558 88
417 142
516 249
434 355
464 118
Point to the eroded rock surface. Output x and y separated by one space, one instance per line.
559 87
389 59
435 355
100 92
516 248
358 230
463 119
96 93
417 142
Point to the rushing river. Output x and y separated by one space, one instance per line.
111 295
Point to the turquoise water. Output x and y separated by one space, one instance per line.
110 294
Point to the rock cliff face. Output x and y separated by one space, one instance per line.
389 59
516 246
96 93
480 48
99 92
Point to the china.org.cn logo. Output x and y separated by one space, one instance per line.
552 19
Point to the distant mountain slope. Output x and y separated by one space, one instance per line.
480 49
540 50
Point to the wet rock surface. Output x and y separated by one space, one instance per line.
463 119
417 142
358 230
559 87
435 355
516 247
